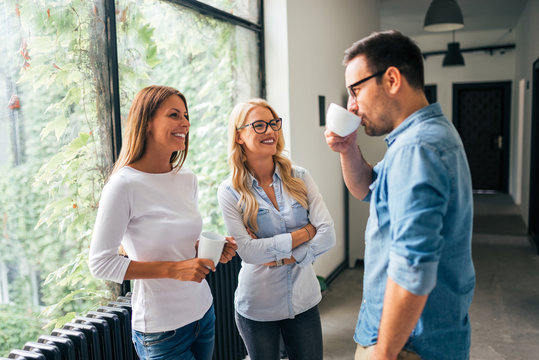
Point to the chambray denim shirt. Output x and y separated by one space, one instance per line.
274 293
419 233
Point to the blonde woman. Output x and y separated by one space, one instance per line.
281 224
149 205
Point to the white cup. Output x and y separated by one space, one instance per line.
210 246
341 121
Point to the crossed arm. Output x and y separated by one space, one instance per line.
301 246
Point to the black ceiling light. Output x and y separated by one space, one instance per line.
443 15
453 57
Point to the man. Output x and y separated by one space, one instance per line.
419 276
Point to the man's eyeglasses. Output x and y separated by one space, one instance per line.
261 126
350 88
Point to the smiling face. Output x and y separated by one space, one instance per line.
254 144
168 128
371 103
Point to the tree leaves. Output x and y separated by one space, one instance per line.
58 125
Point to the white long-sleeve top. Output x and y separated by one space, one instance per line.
274 293
156 218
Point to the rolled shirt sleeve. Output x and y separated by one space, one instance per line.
417 205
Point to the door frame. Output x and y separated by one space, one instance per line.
533 206
506 126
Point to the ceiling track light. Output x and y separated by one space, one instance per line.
490 49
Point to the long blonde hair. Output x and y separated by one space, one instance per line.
142 111
237 160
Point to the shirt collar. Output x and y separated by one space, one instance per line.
428 112
276 176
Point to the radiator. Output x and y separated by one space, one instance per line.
105 334
223 282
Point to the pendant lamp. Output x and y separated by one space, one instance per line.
453 57
443 15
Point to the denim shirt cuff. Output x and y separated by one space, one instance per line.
418 279
282 247
302 255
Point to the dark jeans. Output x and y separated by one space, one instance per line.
193 341
302 336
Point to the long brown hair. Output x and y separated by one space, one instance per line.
142 111
237 160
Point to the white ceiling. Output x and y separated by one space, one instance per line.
407 16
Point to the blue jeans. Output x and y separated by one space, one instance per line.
302 336
193 341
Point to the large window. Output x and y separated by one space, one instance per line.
214 63
56 106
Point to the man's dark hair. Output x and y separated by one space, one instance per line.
390 48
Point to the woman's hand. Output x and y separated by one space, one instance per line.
229 250
194 269
251 233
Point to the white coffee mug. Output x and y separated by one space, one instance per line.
341 121
210 246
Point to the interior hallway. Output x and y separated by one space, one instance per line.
505 309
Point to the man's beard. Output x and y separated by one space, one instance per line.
373 130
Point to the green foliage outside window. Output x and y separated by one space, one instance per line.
57 155
50 194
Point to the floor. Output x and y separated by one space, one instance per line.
505 309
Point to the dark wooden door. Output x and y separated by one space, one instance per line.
533 219
481 114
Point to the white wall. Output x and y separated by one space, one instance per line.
305 41
527 52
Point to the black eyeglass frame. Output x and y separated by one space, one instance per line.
350 88
278 124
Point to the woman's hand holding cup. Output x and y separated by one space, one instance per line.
229 250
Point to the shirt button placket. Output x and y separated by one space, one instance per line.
289 280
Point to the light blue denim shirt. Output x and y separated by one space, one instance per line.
274 293
419 233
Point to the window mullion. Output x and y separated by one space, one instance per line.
113 85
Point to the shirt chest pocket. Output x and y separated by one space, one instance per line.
266 223
378 212
299 216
